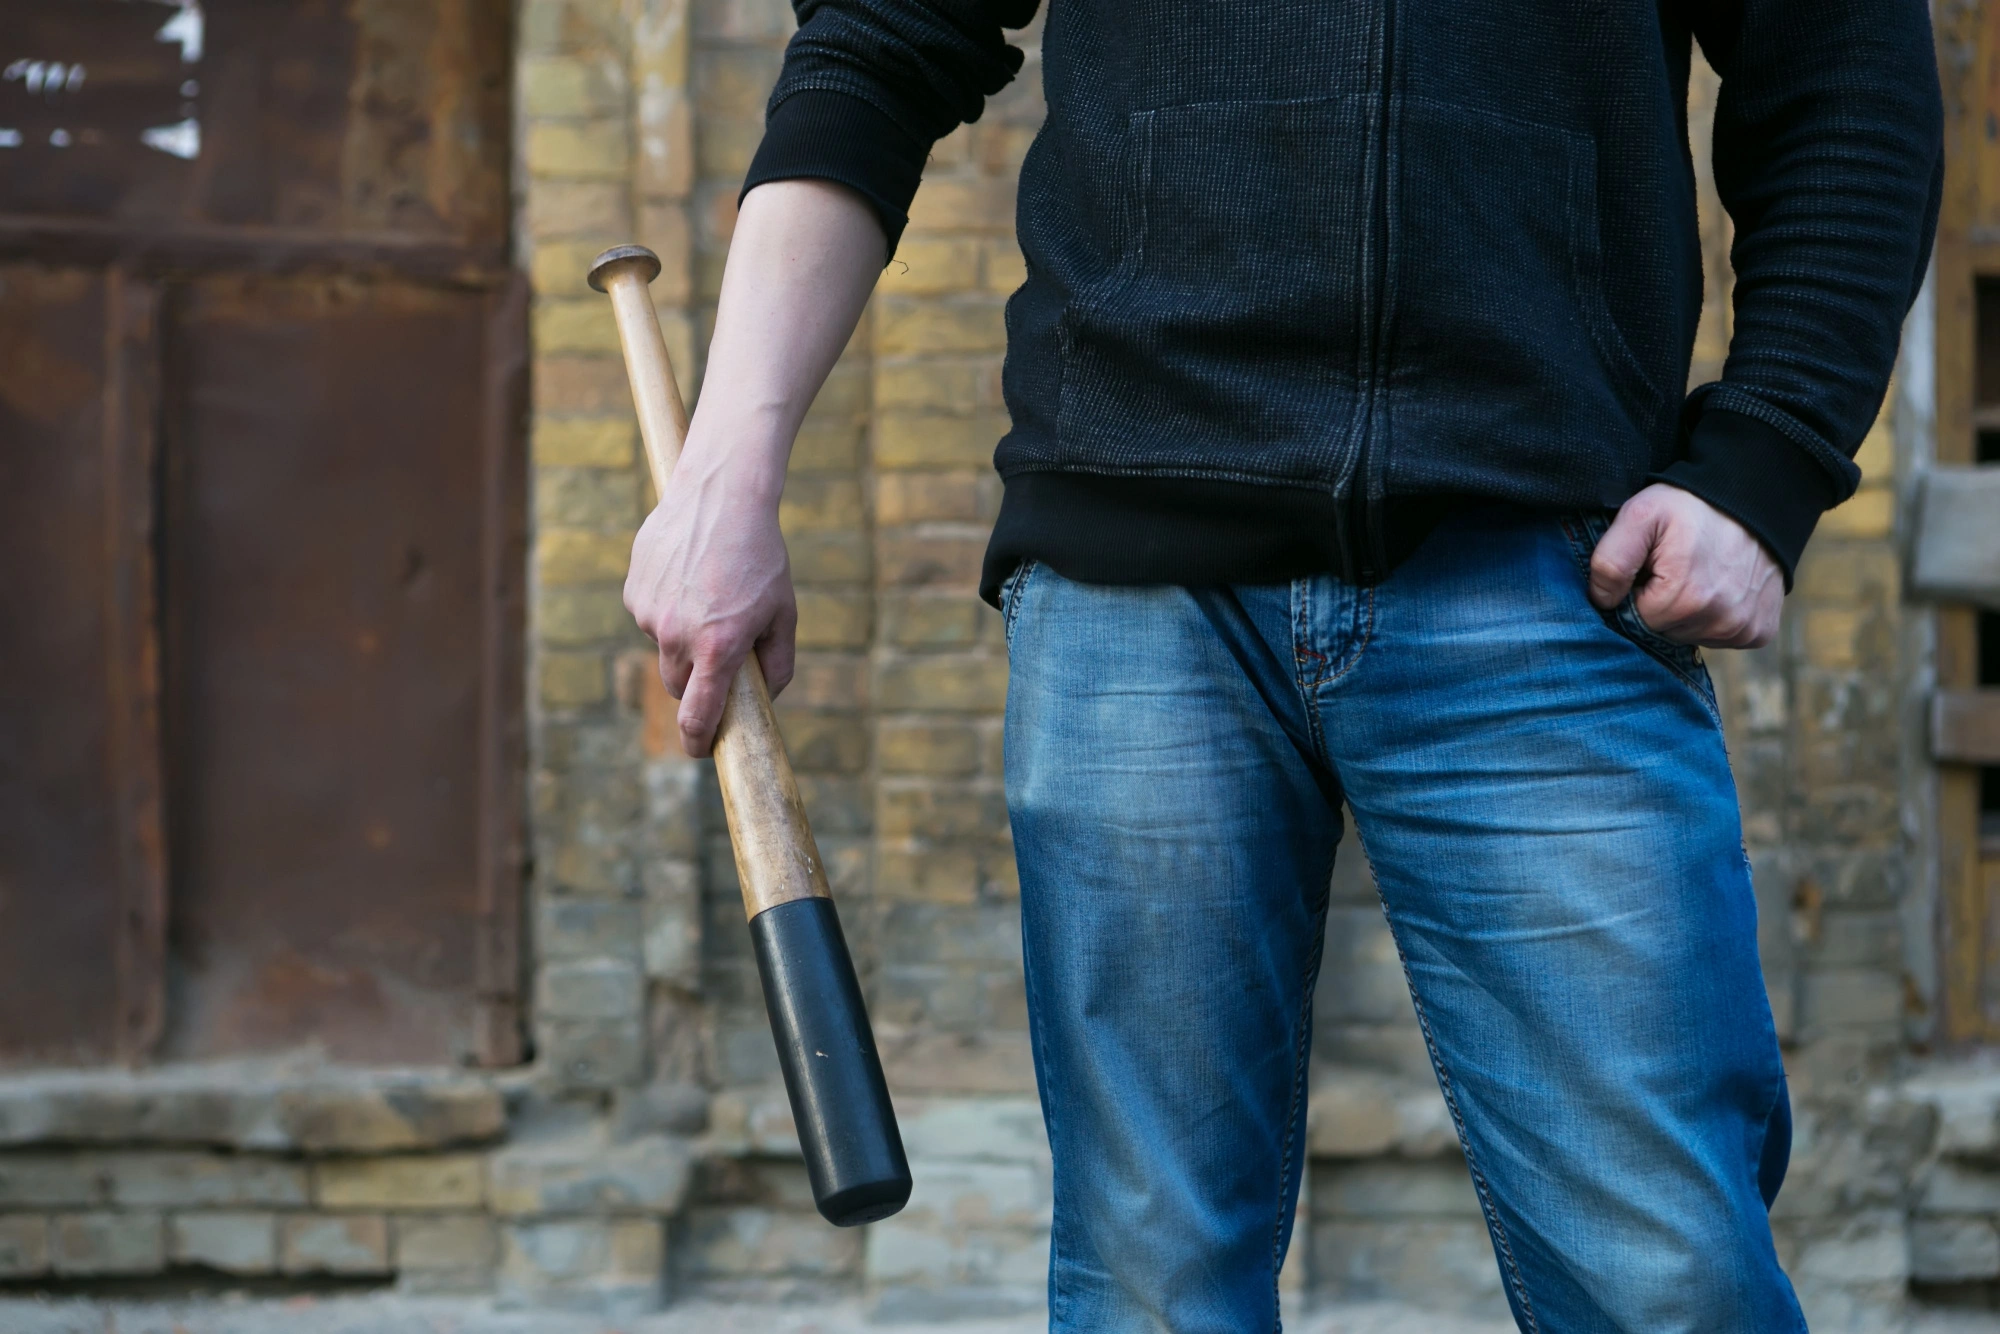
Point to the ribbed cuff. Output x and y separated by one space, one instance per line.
825 135
1758 477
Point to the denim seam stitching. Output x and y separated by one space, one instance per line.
1056 1304
1011 593
1446 1086
1301 620
1367 637
1299 1066
1351 660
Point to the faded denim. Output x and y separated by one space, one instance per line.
1545 799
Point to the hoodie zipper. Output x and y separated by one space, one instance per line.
1363 565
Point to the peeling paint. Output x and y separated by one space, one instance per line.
188 26
182 139
45 76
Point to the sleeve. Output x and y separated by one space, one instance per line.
1829 159
869 85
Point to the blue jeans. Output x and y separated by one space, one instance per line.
1544 796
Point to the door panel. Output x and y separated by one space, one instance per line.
328 506
80 850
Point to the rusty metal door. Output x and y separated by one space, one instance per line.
261 384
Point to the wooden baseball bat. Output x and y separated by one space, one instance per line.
833 1074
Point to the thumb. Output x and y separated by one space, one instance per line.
1621 553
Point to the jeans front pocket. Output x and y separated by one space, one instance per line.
1011 589
1584 532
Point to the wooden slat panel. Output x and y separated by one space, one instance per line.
80 844
331 574
1965 51
1957 551
497 1038
1965 726
132 414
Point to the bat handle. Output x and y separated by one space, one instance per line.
826 1048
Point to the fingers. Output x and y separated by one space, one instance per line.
1707 579
1625 549
706 692
777 650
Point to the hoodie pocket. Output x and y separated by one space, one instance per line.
1232 316
1501 334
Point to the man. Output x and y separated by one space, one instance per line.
1348 328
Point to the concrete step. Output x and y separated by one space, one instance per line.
405 1315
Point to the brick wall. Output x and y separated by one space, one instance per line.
647 1148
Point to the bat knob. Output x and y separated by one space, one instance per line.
649 263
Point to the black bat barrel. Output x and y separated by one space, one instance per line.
854 1153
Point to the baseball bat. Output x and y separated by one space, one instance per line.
833 1074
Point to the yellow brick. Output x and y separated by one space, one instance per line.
848 391
948 749
910 497
572 384
580 615
665 229
817 503
942 875
954 150
572 679
1877 455
575 326
970 324
833 446
1835 571
930 265
726 144
1006 268
584 443
1832 636
589 150
960 387
916 440
910 558
562 269
444 1182
829 619
955 683
978 203
825 742
577 556
736 80
573 86
1002 146
576 208
828 681
1871 512
932 810
951 621
836 557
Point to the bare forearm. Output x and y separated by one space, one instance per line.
803 260
710 579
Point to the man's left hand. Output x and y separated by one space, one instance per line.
1701 578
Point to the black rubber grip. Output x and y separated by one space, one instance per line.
854 1153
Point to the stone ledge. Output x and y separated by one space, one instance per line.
1353 1113
266 1108
1965 1097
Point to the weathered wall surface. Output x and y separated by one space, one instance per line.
647 1150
